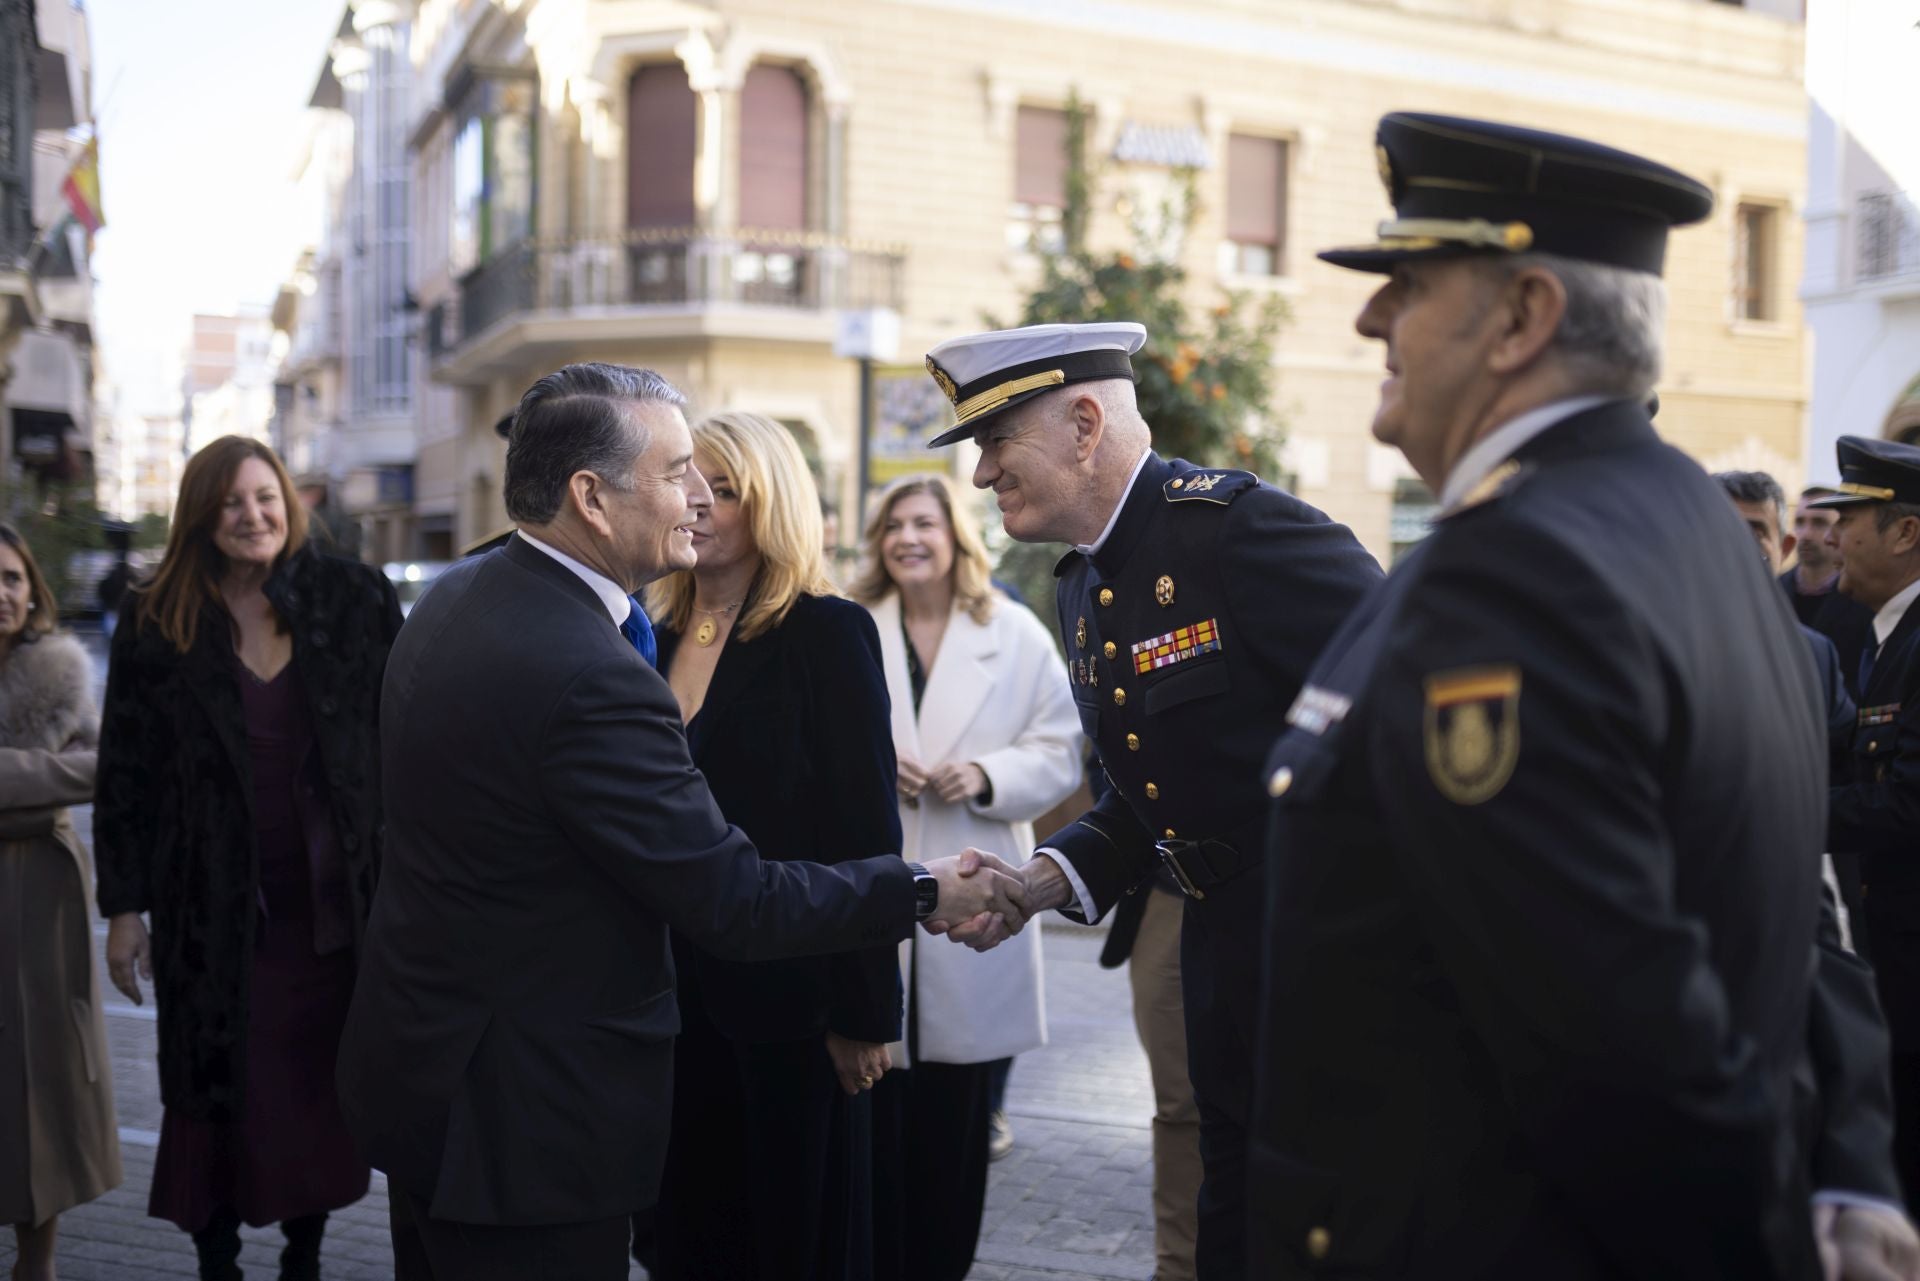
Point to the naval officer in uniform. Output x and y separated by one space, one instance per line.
1191 606
1548 813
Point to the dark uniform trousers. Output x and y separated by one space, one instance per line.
1877 813
429 1249
1543 891
1188 633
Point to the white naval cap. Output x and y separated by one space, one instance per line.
983 374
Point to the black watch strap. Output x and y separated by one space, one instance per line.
926 891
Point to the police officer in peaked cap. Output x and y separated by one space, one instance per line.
1543 876
1191 606
1875 812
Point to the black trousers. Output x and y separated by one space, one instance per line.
429 1249
1220 983
930 1170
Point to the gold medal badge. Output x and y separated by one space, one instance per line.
1473 731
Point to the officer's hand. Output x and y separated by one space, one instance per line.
913 779
957 782
987 905
1868 1243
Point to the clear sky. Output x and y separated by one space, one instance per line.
200 104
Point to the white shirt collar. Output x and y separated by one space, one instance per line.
618 603
1504 441
1088 549
1893 611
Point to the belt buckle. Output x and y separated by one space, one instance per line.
1170 852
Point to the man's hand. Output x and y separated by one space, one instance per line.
912 780
979 892
858 1064
129 951
1047 888
957 782
1866 1243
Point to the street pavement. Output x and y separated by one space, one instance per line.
1071 1203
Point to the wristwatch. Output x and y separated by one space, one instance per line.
926 891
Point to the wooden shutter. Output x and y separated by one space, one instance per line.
660 147
1040 157
1256 191
773 149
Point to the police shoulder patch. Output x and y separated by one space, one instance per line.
1209 484
1472 731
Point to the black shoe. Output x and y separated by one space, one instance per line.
300 1261
218 1245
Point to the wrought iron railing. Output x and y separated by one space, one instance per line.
669 268
1887 236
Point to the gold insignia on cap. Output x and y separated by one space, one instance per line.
1163 590
945 380
1472 731
1080 635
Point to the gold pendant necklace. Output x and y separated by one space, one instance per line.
709 631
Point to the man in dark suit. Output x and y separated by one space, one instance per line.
1812 585
1191 607
1545 851
1877 810
508 1056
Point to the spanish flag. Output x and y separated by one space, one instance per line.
82 188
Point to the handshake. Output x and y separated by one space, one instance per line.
984 900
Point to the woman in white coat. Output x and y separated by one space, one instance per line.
988 740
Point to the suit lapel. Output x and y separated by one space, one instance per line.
893 657
215 683
960 684
1890 670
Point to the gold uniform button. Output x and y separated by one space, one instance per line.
1179 483
1874 745
1133 742
1110 649
1319 1242
1106 595
1169 833
1153 792
1282 779
1119 698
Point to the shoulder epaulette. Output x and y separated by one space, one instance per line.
1501 480
1209 485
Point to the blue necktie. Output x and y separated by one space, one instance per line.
639 632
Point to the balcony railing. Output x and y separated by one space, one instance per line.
670 269
1887 231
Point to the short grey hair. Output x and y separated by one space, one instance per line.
573 420
1757 488
1887 515
1614 328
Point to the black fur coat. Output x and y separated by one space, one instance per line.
173 823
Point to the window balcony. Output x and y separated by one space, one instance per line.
1887 239
658 284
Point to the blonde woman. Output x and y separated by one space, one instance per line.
780 685
988 740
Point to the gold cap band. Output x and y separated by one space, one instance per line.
994 397
1514 237
1876 492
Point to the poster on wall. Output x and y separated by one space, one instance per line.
908 411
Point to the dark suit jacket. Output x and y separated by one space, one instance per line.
508 1054
1542 897
795 744
1841 619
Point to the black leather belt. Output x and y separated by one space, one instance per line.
1200 866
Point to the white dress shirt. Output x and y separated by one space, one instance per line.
618 603
1891 613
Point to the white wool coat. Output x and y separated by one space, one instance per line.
997 696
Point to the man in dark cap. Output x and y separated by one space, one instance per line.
1877 810
1544 862
1191 606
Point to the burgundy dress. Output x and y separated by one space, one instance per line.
288 1155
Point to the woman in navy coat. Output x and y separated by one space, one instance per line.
781 686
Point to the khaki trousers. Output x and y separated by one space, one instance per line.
1159 1015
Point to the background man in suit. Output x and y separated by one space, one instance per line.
1191 606
1545 851
1812 585
508 1056
1877 810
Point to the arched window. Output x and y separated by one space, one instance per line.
660 147
773 149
